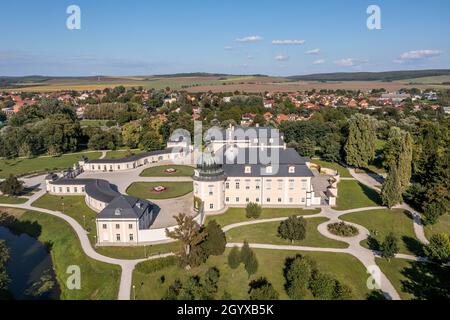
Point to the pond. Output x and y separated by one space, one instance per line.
30 268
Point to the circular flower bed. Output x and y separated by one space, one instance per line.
170 170
159 189
342 229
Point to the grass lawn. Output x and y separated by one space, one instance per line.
93 123
120 154
182 171
382 222
132 253
234 215
99 281
417 280
352 195
442 226
144 190
74 206
43 164
267 233
12 200
345 268
343 172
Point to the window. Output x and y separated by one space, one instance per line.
304 184
130 226
117 226
118 167
248 169
257 200
210 191
211 206
269 184
247 200
131 237
238 185
303 200
291 200
82 189
227 185
291 169
76 189
60 189
68 189
93 167
279 200
227 199
118 237
258 186
237 199
269 169
280 184
291 184
105 226
268 199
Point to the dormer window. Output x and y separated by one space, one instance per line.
248 169
118 212
291 169
269 169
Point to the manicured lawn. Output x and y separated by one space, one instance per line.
345 268
131 253
442 226
234 215
343 172
73 206
12 200
382 222
119 154
93 123
267 233
99 281
43 164
182 171
352 195
417 280
144 190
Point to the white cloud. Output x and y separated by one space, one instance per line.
289 42
313 51
348 62
228 48
420 54
249 39
281 57
320 61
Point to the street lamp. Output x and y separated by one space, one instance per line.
84 221
134 292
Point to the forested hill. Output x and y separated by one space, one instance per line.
371 76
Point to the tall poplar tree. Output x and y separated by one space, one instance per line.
360 145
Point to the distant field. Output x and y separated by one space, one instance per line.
217 83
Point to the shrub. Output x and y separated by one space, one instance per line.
389 247
322 286
342 229
152 266
253 210
297 272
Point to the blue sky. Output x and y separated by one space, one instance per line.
145 37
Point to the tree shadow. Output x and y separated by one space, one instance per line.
376 295
17 227
371 194
413 245
427 281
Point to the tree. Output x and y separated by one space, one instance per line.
11 186
262 289
322 286
215 241
360 145
298 272
210 283
306 148
131 134
342 292
389 247
293 228
433 211
391 192
189 234
439 248
251 265
253 210
248 258
234 258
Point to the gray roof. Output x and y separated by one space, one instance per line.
98 189
132 158
235 160
125 207
264 134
